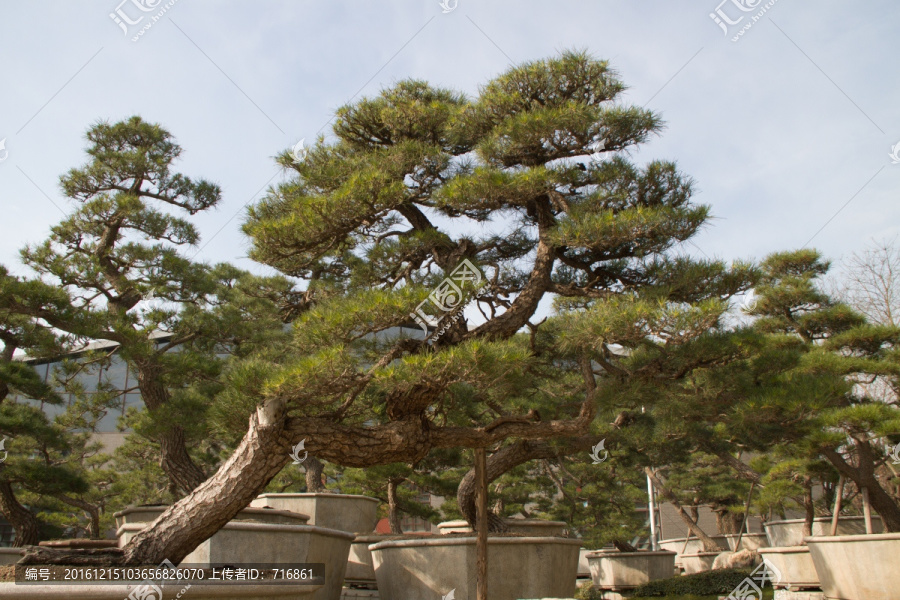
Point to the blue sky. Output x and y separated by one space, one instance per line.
785 130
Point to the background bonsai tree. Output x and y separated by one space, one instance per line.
116 259
377 220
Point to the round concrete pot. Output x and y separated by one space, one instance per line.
698 562
619 571
790 532
795 564
10 556
346 512
749 541
147 514
518 567
857 567
529 527
197 591
240 542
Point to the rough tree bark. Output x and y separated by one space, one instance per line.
709 545
394 505
24 522
314 471
174 459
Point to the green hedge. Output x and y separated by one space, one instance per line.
701 584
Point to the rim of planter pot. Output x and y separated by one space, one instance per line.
696 554
250 511
818 539
439 540
462 523
743 535
784 550
819 519
682 539
608 553
315 495
370 538
246 526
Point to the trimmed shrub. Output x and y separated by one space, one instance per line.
701 584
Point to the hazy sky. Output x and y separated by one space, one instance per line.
781 129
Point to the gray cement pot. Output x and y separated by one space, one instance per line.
269 543
518 567
529 527
346 512
749 541
693 546
147 514
584 567
795 563
118 591
359 565
857 567
790 532
698 562
619 571
10 556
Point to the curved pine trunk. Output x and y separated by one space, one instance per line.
24 522
262 453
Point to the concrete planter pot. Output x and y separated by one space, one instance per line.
857 567
197 591
693 546
270 543
795 563
346 512
518 567
749 541
698 562
148 514
619 571
790 532
360 569
10 556
529 527
584 567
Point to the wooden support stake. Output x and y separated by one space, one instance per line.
481 525
867 510
746 517
838 499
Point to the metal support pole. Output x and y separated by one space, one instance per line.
654 543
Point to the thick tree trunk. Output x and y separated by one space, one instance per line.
809 508
709 545
394 505
24 522
174 458
314 471
864 477
728 522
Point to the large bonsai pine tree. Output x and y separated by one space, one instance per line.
531 184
